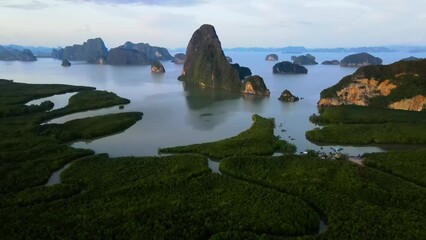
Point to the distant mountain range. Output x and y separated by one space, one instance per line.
36 50
40 51
301 49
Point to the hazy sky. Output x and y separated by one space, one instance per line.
245 23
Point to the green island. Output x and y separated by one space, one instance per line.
258 140
257 196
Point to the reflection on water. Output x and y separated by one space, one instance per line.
59 101
198 98
176 116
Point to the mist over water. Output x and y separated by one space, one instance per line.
174 115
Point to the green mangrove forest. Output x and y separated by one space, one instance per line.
177 196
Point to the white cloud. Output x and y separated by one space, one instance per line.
26 5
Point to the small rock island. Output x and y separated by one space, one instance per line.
66 63
287 67
360 60
307 59
157 67
331 62
255 85
179 58
271 57
287 96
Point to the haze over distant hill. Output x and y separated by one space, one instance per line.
42 51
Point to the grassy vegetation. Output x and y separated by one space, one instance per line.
359 203
258 140
409 165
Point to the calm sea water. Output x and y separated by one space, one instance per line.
177 116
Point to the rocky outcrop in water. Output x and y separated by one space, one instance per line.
66 63
287 67
179 58
307 59
122 56
157 67
360 60
229 59
153 53
206 65
396 86
10 54
331 62
287 96
243 72
255 85
271 57
92 51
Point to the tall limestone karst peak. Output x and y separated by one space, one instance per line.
91 51
401 85
205 63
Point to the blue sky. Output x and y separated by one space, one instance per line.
239 23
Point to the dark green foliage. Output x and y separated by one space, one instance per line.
409 165
27 159
258 140
173 197
90 128
358 203
386 133
349 114
366 125
287 67
243 72
14 95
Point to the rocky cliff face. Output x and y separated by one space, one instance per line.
122 56
206 65
360 60
416 103
152 52
401 85
359 92
255 85
92 51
